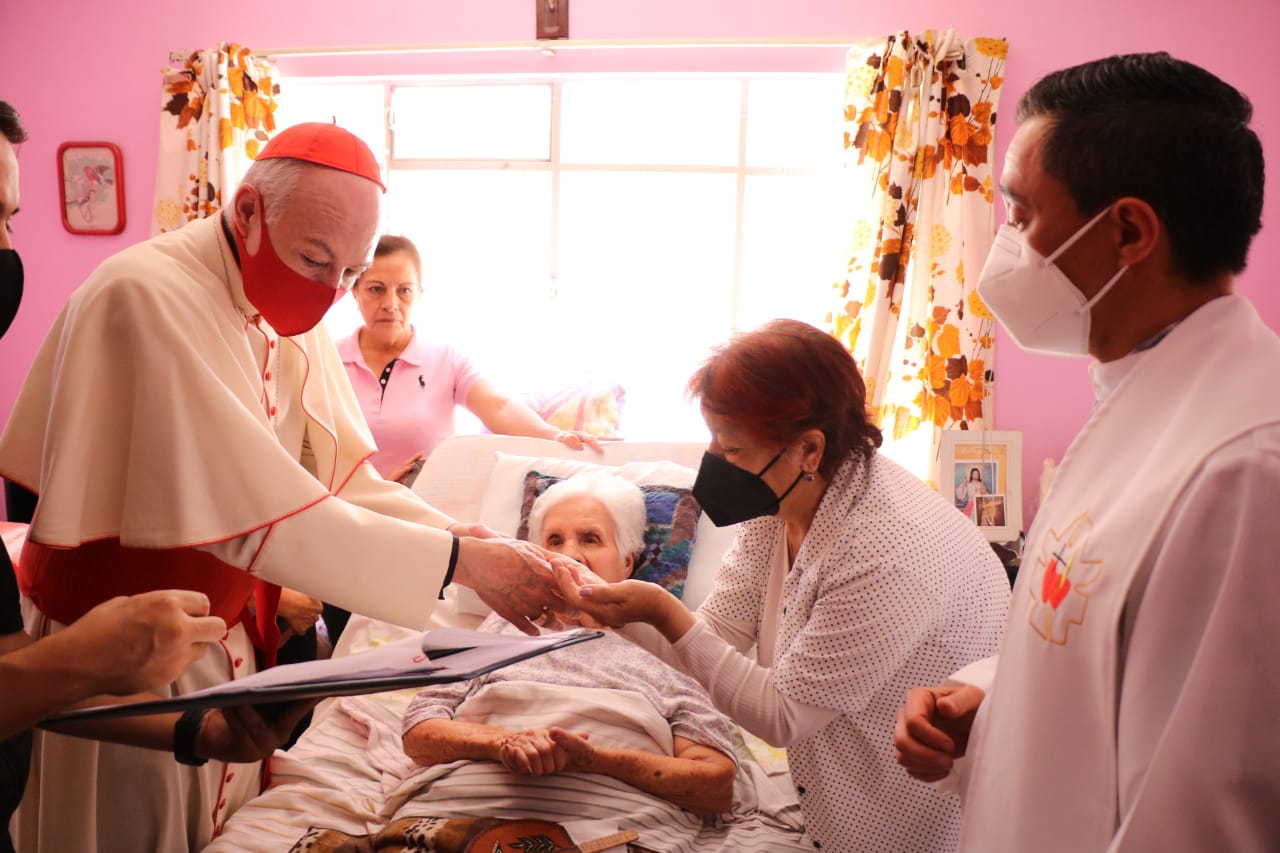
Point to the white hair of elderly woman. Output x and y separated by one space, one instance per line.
622 498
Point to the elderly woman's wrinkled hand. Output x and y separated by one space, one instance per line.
572 576
535 752
579 754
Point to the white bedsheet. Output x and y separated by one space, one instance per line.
349 773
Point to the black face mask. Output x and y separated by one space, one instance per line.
728 494
10 287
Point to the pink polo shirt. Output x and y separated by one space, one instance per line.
415 411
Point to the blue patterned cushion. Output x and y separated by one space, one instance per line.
671 526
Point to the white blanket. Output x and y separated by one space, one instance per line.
349 773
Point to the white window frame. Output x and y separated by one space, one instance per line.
554 166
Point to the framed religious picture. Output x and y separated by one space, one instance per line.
92 187
981 472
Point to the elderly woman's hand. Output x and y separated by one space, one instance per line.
535 752
572 576
579 754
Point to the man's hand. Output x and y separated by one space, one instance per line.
241 734
129 644
511 576
299 611
476 531
933 729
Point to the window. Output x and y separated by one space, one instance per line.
605 229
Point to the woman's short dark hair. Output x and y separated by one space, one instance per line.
11 124
784 378
393 244
1163 130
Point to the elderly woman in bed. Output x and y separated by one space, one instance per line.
598 519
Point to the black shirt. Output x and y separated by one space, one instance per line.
15 753
10 609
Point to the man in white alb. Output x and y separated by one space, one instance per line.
1133 704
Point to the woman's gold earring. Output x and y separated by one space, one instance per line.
808 477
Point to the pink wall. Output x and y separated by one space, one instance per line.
79 70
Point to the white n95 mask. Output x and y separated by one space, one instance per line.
1033 299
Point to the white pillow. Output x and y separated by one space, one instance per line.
500 508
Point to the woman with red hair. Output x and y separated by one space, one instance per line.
849 580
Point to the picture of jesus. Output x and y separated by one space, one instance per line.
973 481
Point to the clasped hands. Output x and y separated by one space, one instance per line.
541 752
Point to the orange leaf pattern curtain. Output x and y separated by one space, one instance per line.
920 113
217 113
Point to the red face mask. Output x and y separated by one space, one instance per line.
290 302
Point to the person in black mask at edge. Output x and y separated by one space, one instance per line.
848 576
121 647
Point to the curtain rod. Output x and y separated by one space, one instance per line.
554 45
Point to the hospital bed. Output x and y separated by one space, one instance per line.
348 773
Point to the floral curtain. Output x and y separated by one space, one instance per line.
920 114
217 113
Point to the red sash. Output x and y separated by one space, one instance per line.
65 583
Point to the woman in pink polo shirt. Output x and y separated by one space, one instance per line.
408 386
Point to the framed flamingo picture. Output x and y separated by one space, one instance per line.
92 176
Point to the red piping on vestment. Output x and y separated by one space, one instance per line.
302 397
266 362
222 776
227 538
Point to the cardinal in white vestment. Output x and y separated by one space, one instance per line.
187 423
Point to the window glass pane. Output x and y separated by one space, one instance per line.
627 276
472 122
646 284
665 122
484 237
795 244
795 123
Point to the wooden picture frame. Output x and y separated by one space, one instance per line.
91 187
993 498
